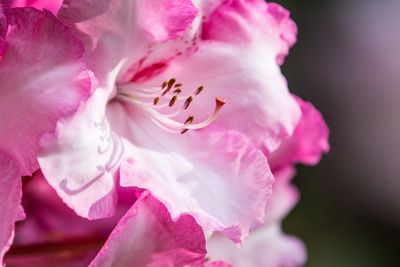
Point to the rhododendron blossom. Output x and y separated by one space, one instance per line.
159 126
158 116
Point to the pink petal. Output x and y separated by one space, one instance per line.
253 22
147 236
266 246
3 25
80 160
217 176
41 80
10 201
51 5
117 33
285 196
236 60
258 102
308 143
218 264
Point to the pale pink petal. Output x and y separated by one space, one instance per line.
117 33
217 176
80 160
41 80
218 264
113 37
284 198
308 143
51 5
252 22
266 246
10 201
235 59
147 236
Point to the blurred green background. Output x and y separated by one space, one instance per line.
347 62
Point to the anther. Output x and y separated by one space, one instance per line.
173 100
156 100
171 82
177 91
165 83
187 102
178 85
199 90
189 120
169 86
184 131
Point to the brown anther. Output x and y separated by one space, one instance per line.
178 85
165 83
171 82
189 120
220 102
156 100
199 90
187 102
177 91
184 131
173 100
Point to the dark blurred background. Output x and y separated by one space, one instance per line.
347 62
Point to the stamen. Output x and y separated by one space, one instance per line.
189 120
173 100
177 91
187 102
171 82
184 131
149 101
199 90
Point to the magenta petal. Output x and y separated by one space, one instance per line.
10 201
147 236
41 80
308 143
51 5
3 25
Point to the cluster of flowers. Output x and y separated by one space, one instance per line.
149 133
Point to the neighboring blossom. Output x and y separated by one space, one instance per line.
39 83
306 146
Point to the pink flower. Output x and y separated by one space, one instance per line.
39 83
308 143
163 72
266 245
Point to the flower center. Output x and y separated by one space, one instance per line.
166 104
